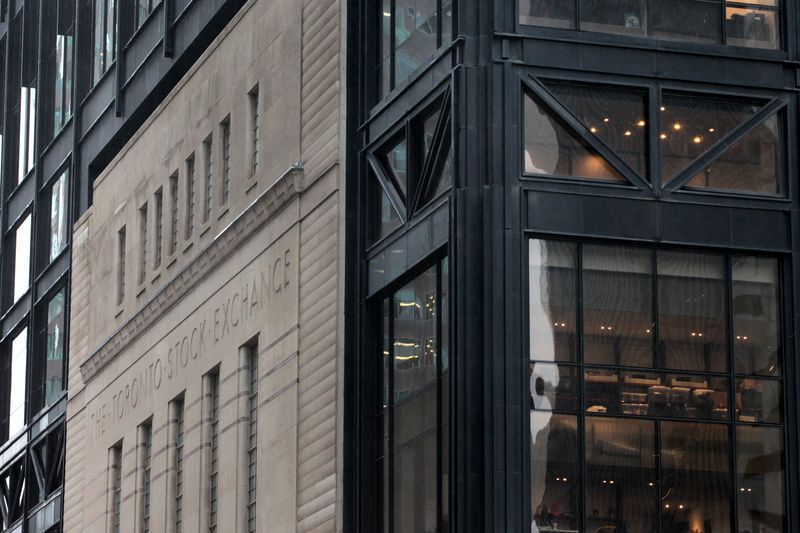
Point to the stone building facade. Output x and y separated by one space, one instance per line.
205 341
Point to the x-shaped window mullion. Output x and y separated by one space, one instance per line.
388 186
440 134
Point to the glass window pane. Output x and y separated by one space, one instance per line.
760 479
691 311
617 306
22 259
685 20
395 161
415 35
58 216
415 336
621 475
690 125
756 316
618 16
54 364
616 116
695 477
384 214
552 148
553 386
555 467
552 13
753 27
447 22
552 278
753 164
415 497
759 400
19 376
655 394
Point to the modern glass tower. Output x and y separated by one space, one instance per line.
574 260
77 79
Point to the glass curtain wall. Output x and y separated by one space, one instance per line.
656 390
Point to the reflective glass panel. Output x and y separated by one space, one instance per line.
19 376
658 394
622 16
552 148
54 363
685 20
756 316
690 125
621 475
552 278
555 468
384 214
753 164
58 216
696 479
22 259
752 26
691 311
415 507
554 386
396 162
415 35
759 401
616 116
552 13
617 306
760 478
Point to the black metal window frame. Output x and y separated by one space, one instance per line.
786 12
788 365
781 103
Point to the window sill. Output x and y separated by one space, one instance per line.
119 311
251 186
156 277
205 230
188 246
142 288
172 259
223 211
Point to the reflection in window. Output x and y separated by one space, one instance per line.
618 306
58 215
759 484
22 258
700 21
690 125
27 131
616 116
410 35
552 148
395 160
54 364
143 9
384 216
64 54
553 280
19 376
691 311
415 411
645 469
105 36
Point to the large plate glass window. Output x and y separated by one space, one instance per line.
656 390
751 24
412 458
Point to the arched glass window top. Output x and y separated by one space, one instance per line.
751 24
656 390
705 142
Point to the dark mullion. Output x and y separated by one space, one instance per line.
656 344
387 184
389 453
439 411
439 14
659 476
723 30
392 44
581 418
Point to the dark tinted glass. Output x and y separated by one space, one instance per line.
553 280
395 160
552 148
415 497
415 336
555 467
753 164
695 477
383 214
415 35
617 306
759 400
621 16
54 363
756 316
685 20
655 394
690 125
691 311
553 13
760 479
554 386
621 488
616 116
752 26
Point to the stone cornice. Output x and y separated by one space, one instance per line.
263 208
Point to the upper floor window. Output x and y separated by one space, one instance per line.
751 24
410 32
22 258
143 10
705 141
58 216
63 63
105 36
